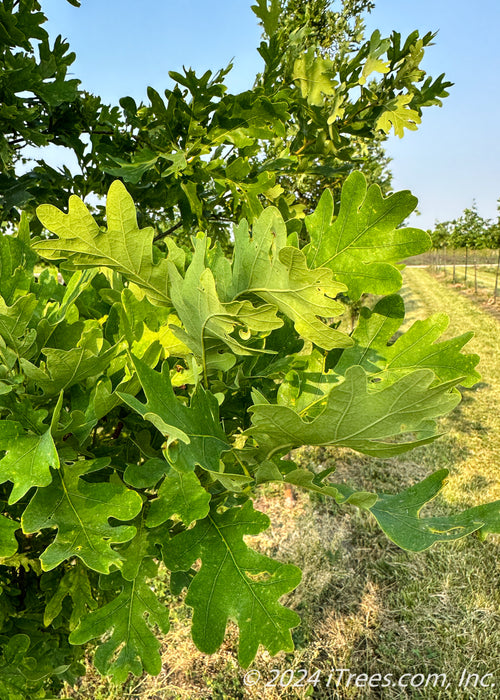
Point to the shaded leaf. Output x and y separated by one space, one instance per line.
80 511
75 584
180 494
131 646
195 434
8 542
355 417
234 582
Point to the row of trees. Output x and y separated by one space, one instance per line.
470 233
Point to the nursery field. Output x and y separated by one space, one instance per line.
486 278
365 604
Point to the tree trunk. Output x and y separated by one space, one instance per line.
475 272
497 274
466 261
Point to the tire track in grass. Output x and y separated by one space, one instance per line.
475 424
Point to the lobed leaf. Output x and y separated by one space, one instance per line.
130 646
417 347
234 582
208 323
265 266
27 458
80 511
362 245
195 435
123 247
180 494
355 416
399 516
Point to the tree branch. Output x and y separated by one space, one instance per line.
170 230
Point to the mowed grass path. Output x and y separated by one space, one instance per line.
366 605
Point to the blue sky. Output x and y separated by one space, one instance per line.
454 157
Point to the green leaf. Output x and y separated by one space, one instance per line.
123 247
145 475
17 338
180 494
399 516
417 347
81 510
207 322
8 542
313 74
269 16
234 582
307 383
75 584
131 646
264 265
140 547
65 368
15 264
195 434
354 416
27 458
377 48
362 244
399 116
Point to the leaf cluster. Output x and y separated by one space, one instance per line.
146 398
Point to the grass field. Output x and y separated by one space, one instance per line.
366 605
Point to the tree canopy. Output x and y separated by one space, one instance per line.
198 156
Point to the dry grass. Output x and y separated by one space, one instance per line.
365 604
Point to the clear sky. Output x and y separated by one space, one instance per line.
123 45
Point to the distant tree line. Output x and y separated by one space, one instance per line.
468 240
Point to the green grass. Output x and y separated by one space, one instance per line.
365 604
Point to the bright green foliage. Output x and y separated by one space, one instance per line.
178 385
415 348
27 459
178 373
399 116
8 542
311 74
350 245
298 292
234 582
198 155
124 618
123 247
